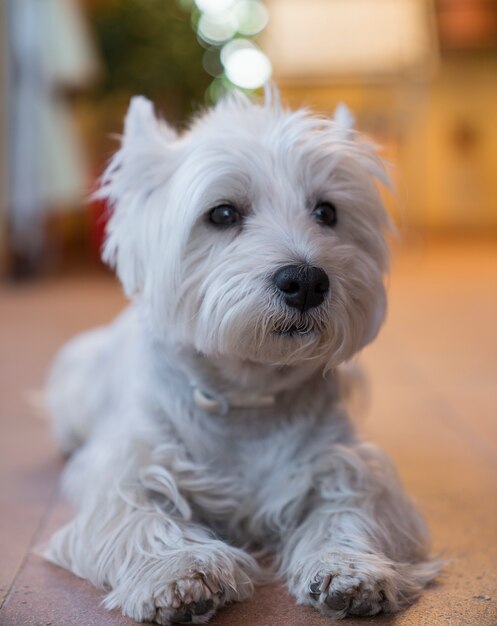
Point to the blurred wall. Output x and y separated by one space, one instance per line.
450 159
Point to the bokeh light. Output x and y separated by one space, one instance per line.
251 16
246 66
217 28
214 7
227 29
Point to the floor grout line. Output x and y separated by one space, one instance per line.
51 501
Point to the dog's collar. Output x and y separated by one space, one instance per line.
221 405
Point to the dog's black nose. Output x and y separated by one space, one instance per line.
303 286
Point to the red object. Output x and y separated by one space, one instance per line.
466 24
99 215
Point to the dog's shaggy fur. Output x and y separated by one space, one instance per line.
207 420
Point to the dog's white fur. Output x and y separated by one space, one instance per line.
164 490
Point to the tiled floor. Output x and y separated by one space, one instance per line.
433 378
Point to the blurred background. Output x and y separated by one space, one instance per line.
420 76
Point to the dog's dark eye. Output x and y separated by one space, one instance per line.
224 215
325 213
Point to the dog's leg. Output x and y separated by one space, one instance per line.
134 534
74 395
363 547
87 379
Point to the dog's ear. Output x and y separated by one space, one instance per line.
345 121
140 168
142 128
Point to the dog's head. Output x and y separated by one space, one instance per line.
257 234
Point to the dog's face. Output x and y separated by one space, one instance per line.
258 234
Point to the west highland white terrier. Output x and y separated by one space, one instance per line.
206 424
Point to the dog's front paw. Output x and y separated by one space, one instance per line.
340 584
337 595
192 600
186 589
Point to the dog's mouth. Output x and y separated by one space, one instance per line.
294 330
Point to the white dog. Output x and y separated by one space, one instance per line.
208 417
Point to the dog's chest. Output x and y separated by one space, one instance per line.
268 474
256 465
